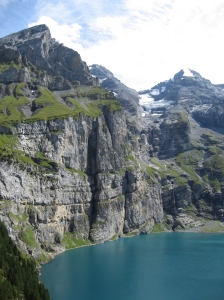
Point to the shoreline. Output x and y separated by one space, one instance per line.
187 230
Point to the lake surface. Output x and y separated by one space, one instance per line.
174 266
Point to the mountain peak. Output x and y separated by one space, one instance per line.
187 88
187 73
38 31
100 71
37 48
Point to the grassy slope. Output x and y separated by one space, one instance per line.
83 100
6 66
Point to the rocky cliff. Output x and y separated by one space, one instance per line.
58 66
79 167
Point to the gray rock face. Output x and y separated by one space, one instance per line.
8 54
143 206
176 198
102 203
36 45
170 135
13 68
15 75
211 117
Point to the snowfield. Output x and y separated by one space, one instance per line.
148 103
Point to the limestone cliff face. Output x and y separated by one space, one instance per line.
85 144
170 135
91 190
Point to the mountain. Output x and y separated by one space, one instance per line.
128 97
60 67
197 95
81 164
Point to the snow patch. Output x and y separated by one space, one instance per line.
163 89
155 92
148 103
145 99
101 80
188 73
204 107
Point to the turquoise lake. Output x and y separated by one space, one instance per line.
174 266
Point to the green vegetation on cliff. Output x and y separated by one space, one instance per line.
18 275
22 104
212 226
9 109
9 152
214 171
188 161
4 66
181 117
71 241
157 228
166 170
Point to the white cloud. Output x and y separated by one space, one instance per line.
72 10
159 43
146 41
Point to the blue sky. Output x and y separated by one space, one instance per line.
142 42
